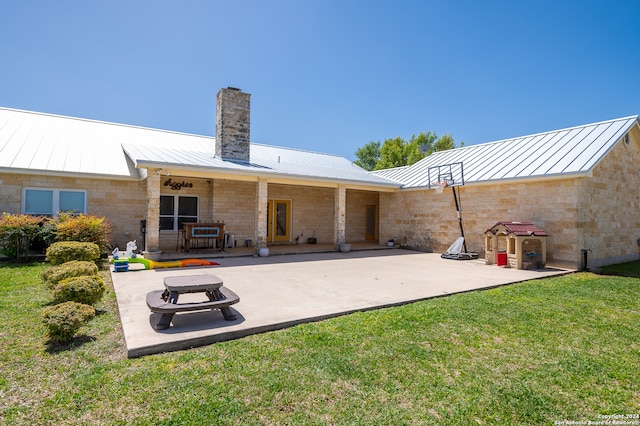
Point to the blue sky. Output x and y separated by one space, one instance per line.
327 76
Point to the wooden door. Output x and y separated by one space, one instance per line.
279 221
370 223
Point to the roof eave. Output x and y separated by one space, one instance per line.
558 176
62 173
261 174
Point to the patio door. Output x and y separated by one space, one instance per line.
279 221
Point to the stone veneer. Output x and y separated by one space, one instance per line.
608 203
233 122
201 188
357 202
122 202
598 213
311 211
425 219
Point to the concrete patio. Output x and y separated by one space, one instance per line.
282 291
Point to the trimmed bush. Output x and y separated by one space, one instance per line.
64 320
86 289
54 274
65 251
89 229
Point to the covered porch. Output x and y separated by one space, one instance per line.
274 250
250 213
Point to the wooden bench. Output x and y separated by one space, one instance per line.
160 301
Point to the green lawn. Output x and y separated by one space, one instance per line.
629 269
565 348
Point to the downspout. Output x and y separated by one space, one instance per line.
585 260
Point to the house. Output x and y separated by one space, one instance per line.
130 174
578 184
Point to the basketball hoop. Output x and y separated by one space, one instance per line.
439 186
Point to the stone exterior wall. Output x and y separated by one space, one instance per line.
357 202
598 213
426 220
311 211
609 202
233 124
153 241
234 202
202 188
123 203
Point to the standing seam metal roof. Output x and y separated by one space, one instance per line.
573 150
37 142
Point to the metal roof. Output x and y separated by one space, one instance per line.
558 153
34 142
265 160
521 229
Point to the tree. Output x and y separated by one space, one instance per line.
397 152
368 155
392 154
421 146
445 142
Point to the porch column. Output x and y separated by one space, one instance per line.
152 242
262 194
212 194
340 215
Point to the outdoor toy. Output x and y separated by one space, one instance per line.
121 260
152 264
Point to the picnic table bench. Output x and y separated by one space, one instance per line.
165 301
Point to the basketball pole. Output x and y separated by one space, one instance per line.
455 198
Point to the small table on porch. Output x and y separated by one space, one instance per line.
166 301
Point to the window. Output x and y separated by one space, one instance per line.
51 201
176 210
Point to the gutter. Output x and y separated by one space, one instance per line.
557 176
73 175
211 172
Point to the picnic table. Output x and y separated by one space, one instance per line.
166 303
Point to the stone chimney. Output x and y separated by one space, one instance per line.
233 124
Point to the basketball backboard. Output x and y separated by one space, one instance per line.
451 174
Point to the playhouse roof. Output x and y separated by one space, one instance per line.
559 153
520 229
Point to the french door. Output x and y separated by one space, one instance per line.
278 221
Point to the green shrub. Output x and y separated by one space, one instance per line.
47 232
65 251
75 268
64 320
17 232
89 229
87 289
